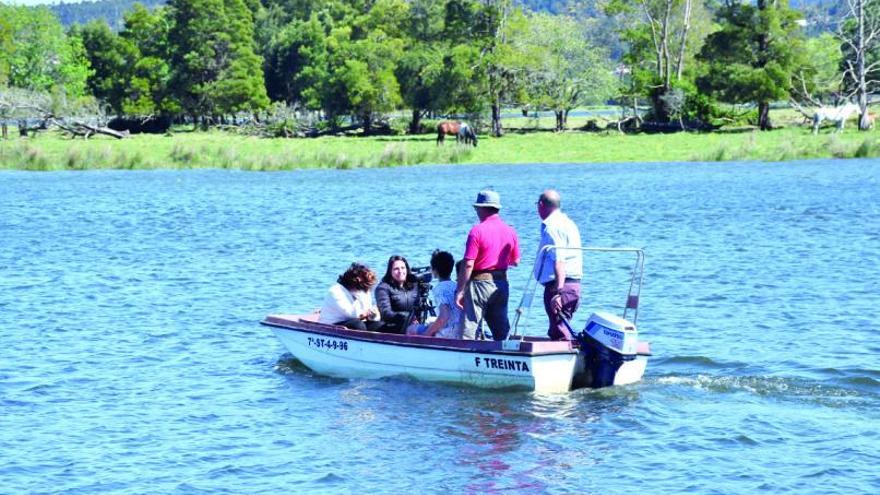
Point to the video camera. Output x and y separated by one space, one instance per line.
422 274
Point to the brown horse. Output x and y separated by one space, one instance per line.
461 131
450 127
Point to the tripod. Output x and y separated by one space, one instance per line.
423 306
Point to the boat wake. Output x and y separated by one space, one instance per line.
704 362
289 365
848 392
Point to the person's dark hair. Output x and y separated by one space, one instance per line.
357 277
442 262
410 278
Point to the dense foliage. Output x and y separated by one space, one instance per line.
341 63
753 57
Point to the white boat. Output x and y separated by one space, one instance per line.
607 352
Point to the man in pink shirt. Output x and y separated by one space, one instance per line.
492 246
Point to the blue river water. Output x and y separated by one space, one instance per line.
132 360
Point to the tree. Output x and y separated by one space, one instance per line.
43 57
566 70
240 86
361 81
285 57
418 71
111 59
148 91
860 36
214 67
662 36
7 34
754 55
498 24
351 72
818 80
148 30
440 71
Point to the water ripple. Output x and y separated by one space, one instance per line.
132 361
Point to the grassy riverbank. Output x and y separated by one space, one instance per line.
222 150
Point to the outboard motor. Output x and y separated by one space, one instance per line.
606 343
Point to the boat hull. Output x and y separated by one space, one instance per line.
529 364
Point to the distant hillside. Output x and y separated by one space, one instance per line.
821 15
562 6
820 12
110 10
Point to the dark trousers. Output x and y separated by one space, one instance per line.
358 324
571 296
390 327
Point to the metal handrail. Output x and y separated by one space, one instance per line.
635 281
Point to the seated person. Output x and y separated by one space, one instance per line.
349 301
449 324
396 296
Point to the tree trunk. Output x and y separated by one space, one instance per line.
635 108
655 39
667 65
862 93
661 110
5 130
684 32
497 130
368 123
763 54
558 120
495 72
764 116
415 125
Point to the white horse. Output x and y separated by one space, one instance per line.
838 115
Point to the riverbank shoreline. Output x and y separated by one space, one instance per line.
223 150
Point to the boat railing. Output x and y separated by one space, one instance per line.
635 281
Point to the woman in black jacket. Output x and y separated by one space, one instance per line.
396 296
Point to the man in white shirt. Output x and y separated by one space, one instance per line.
558 269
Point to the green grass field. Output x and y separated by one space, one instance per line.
522 144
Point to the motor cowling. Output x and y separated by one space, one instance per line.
607 342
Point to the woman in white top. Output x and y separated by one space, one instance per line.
349 302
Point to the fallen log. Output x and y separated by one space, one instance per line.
87 130
626 124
